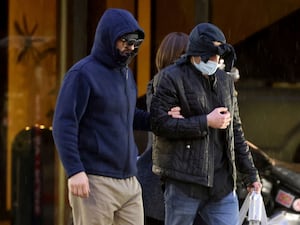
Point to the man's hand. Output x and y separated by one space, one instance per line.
219 118
256 186
175 113
78 185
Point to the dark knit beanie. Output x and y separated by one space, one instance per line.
201 44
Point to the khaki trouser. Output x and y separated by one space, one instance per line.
111 202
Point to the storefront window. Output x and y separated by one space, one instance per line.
29 84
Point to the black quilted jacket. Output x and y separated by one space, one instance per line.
181 146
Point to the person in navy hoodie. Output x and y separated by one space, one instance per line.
93 126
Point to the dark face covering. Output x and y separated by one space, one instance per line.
201 44
125 57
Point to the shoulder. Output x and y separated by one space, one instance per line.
172 72
224 77
86 73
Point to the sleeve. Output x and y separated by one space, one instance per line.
141 120
244 160
70 107
169 93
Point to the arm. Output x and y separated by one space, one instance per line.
70 107
141 120
243 155
168 95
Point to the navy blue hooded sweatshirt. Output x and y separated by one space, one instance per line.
96 107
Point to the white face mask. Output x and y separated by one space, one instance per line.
209 68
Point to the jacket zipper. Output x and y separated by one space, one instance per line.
209 166
127 98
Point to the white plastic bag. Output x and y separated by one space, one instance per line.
254 207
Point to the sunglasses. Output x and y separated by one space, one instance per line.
129 42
